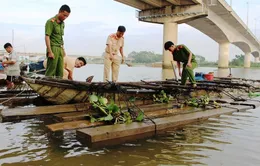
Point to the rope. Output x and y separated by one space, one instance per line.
233 97
11 97
121 90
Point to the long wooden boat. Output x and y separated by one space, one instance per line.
60 91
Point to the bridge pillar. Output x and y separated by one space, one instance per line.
170 33
223 58
247 62
257 59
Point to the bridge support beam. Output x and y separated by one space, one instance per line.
170 33
247 62
223 58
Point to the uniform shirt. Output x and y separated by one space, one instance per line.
182 54
69 63
116 44
14 69
55 31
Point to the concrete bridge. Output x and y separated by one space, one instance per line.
215 18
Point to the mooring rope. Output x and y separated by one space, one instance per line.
121 90
12 97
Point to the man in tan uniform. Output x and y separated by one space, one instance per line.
69 64
115 44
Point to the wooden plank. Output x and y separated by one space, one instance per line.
115 132
72 116
72 125
179 120
65 117
240 108
44 110
157 110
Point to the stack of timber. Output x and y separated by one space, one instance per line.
158 117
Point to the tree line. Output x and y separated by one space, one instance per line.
151 57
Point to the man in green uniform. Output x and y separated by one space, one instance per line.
54 30
182 54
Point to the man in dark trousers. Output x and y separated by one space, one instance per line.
182 54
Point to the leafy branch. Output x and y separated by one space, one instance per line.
110 112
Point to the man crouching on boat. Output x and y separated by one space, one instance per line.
182 54
69 64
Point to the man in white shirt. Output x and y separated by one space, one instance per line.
114 45
11 65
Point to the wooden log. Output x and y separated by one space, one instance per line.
25 113
65 117
14 92
151 111
72 125
17 101
118 133
180 120
72 116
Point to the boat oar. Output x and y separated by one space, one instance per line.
173 67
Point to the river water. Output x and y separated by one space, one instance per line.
227 140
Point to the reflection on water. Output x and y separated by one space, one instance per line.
228 140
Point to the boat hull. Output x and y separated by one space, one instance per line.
59 95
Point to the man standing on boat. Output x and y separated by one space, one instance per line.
11 65
54 30
182 54
115 44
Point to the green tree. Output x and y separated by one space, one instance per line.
238 60
145 57
200 59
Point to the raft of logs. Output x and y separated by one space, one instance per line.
158 117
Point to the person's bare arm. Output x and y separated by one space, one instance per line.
70 75
48 45
8 62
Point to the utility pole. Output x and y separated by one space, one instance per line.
231 3
13 37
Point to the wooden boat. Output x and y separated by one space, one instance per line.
60 91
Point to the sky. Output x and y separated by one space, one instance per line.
91 21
